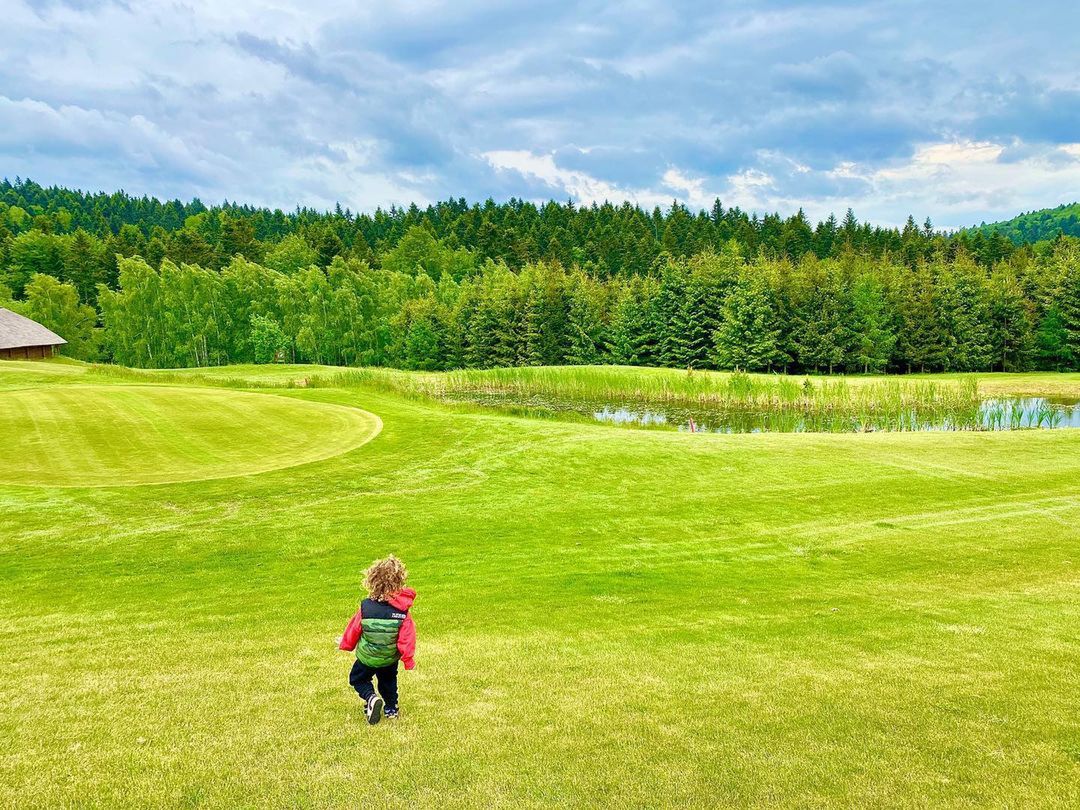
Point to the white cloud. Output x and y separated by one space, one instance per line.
329 180
577 184
750 189
969 175
692 188
963 176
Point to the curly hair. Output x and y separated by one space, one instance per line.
385 578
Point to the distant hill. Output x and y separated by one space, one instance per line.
1035 226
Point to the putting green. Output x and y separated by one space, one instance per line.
124 435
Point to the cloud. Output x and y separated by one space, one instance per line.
972 175
36 130
965 176
562 182
690 189
771 105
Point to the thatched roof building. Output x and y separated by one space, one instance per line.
24 339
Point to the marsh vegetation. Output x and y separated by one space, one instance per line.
731 403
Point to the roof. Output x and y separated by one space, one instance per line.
17 332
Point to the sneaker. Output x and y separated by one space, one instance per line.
391 714
373 709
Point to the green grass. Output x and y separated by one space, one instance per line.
91 435
606 617
705 388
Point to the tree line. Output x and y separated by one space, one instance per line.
77 236
1039 226
149 283
428 305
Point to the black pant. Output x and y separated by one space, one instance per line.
361 676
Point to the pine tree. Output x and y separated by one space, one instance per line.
961 309
825 237
798 237
822 333
84 265
586 327
1011 339
327 246
631 340
872 330
672 316
849 230
920 341
1070 308
911 242
748 336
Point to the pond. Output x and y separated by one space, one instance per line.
1010 413
1018 413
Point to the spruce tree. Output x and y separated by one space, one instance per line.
748 337
872 325
1011 339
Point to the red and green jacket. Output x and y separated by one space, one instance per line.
383 632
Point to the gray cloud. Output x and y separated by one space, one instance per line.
768 104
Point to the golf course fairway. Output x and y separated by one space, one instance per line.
605 616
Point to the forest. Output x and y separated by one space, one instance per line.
148 283
1038 226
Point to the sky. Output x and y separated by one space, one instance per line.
959 111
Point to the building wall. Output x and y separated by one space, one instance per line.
27 353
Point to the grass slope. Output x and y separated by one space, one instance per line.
605 617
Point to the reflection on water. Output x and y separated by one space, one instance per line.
1020 413
624 416
1010 413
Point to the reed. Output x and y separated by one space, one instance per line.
157 377
728 402
743 401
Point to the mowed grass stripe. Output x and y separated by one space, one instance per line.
123 435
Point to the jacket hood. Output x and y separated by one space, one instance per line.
403 599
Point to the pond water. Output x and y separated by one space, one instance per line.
1018 413
1012 413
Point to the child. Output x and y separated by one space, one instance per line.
381 632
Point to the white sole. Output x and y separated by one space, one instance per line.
376 712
